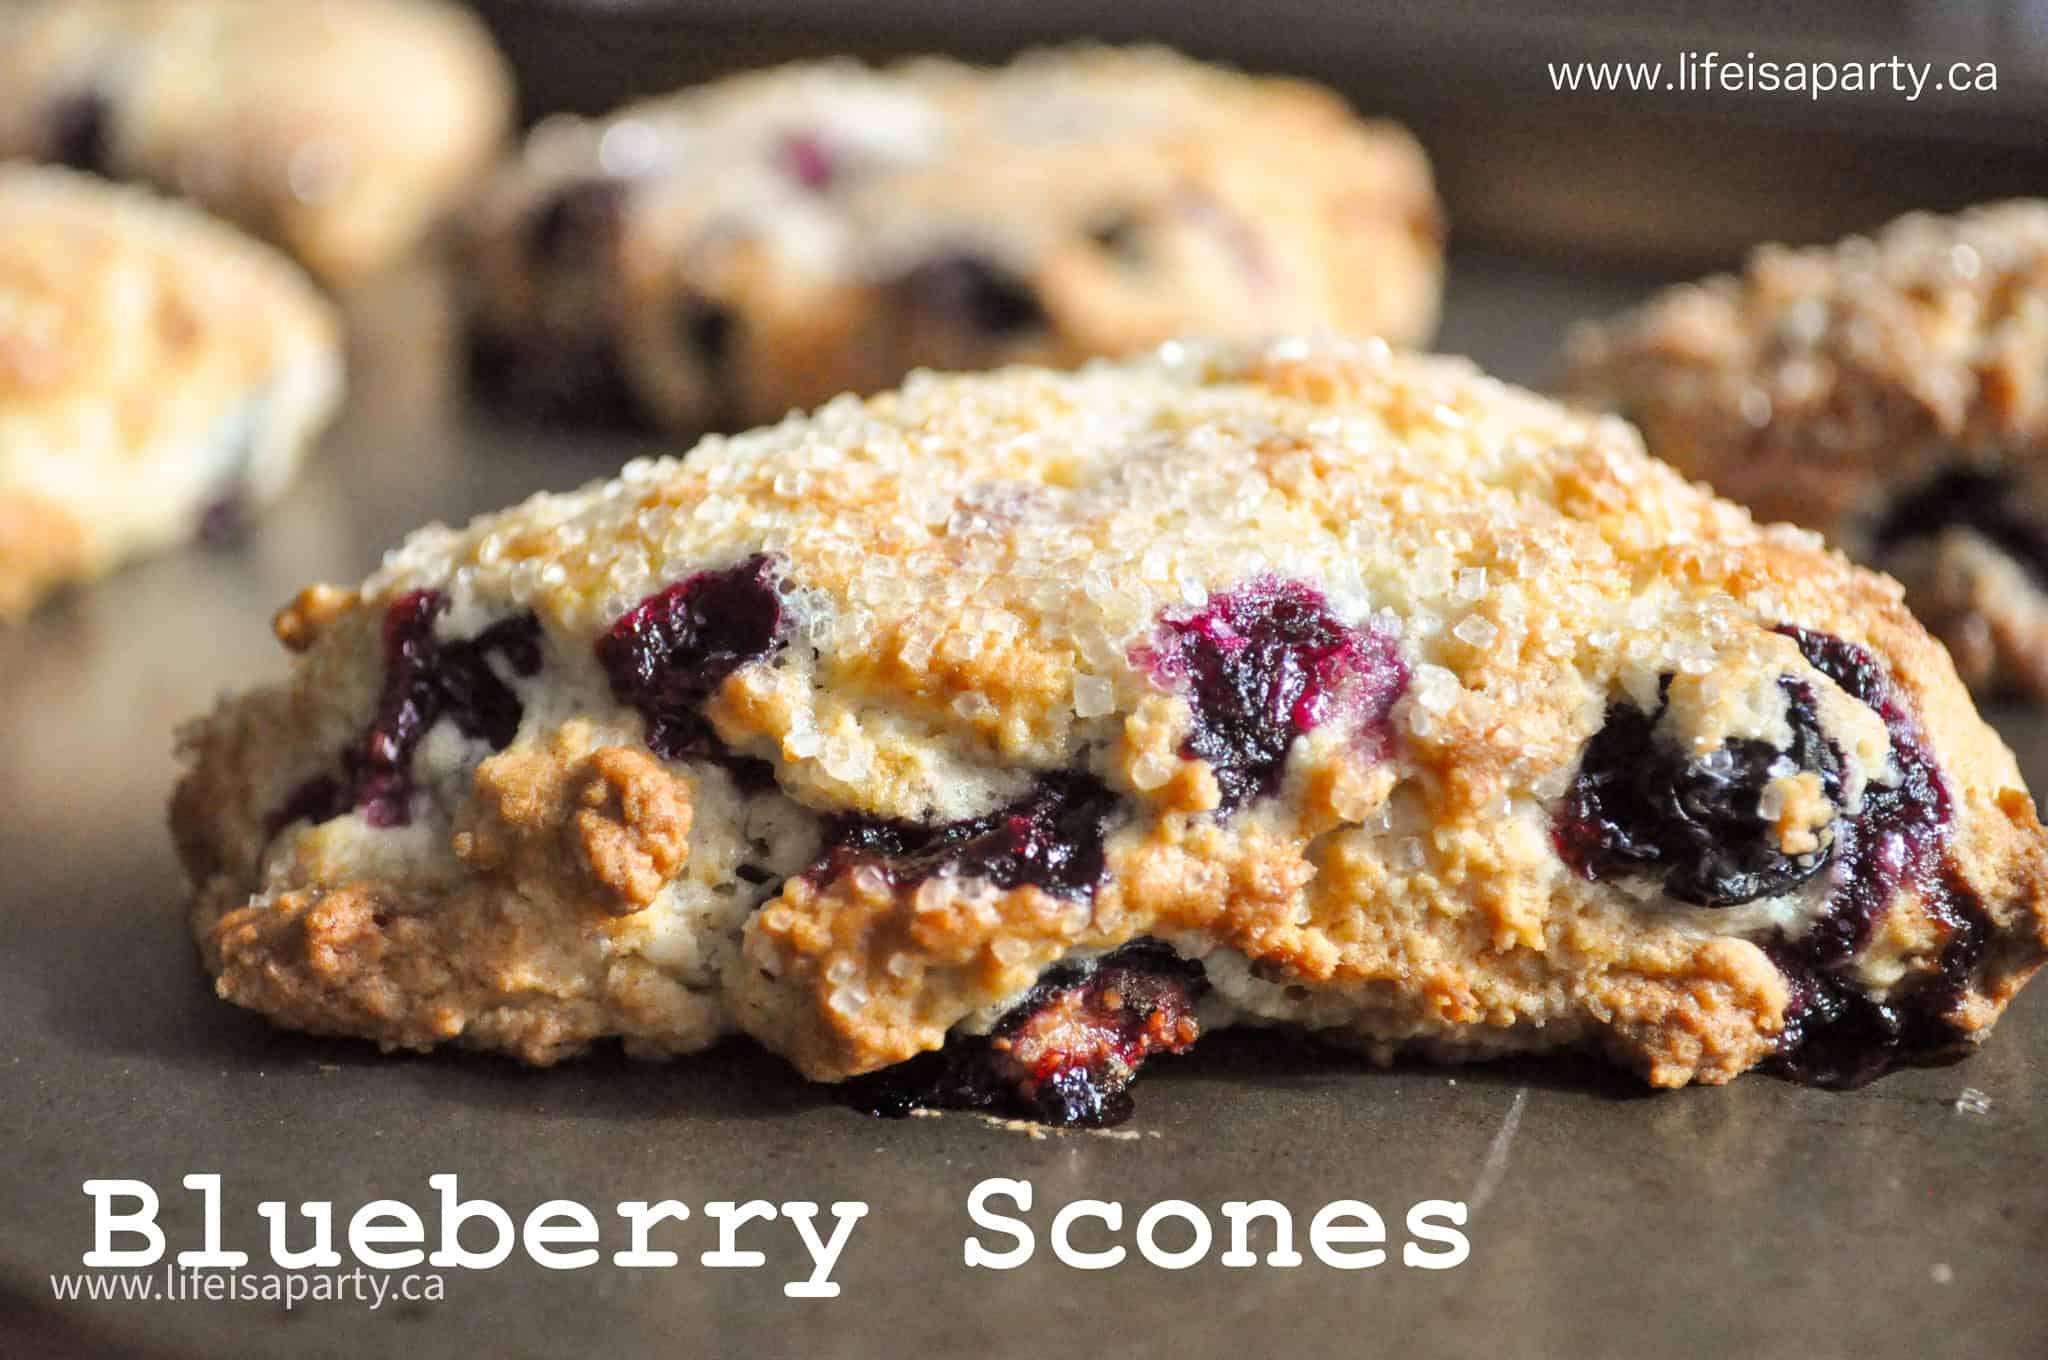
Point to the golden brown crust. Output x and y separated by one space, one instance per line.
1833 386
40 546
263 112
974 569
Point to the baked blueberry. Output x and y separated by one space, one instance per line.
426 679
669 655
965 289
578 226
1640 805
1982 500
1263 663
1066 1054
1051 838
80 132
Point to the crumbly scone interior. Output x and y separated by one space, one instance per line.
153 363
981 680
1887 391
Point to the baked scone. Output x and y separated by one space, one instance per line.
719 257
1043 721
340 129
160 374
1891 392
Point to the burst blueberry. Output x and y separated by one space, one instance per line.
426 679
1263 664
1051 838
671 652
1066 1054
1639 806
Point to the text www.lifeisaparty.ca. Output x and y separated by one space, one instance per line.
387 1236
1722 73
190 1284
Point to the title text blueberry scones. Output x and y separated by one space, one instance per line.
999 733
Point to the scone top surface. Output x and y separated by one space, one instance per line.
152 360
991 613
770 239
113 292
1881 361
338 128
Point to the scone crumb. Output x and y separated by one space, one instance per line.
610 828
299 624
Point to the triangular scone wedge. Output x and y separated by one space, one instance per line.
1043 722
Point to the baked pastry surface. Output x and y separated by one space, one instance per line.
1046 720
1891 392
340 129
160 374
719 257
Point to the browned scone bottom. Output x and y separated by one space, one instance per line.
1890 392
1030 725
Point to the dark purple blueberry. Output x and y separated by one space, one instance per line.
1263 664
1118 235
808 162
1639 806
672 651
707 328
1839 1037
1050 838
225 520
78 131
1971 498
1066 1054
579 223
969 290
425 680
1835 1033
1900 836
321 798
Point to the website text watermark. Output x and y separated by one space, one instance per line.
1715 72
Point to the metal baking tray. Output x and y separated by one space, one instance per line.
1759 1219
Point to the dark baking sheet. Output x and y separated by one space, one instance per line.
1760 1219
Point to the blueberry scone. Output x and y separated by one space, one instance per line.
160 374
340 129
984 739
719 257
1891 392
